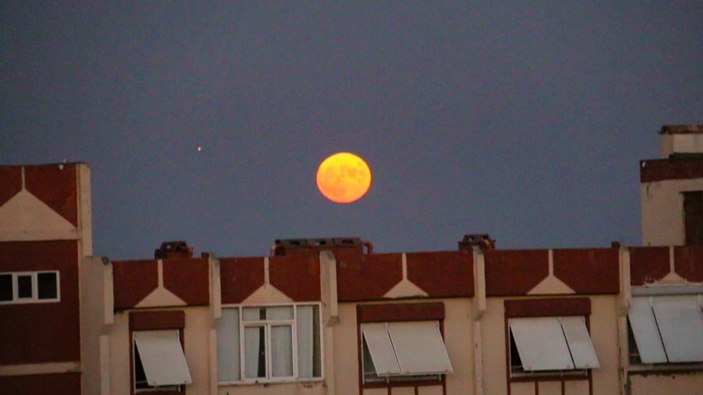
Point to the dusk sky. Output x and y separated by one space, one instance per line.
523 120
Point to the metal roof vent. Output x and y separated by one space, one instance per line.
482 241
173 249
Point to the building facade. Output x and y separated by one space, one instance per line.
330 316
45 231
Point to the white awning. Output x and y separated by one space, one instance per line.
644 328
162 357
680 321
541 344
407 348
579 341
553 343
381 349
419 348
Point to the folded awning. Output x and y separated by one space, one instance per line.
162 358
668 328
407 348
553 343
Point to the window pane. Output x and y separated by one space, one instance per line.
47 286
253 314
228 346
308 332
24 286
369 369
254 352
305 341
139 375
316 342
282 351
5 287
515 361
279 313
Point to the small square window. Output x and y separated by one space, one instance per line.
29 287
24 286
47 285
5 287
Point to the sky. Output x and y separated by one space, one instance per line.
523 120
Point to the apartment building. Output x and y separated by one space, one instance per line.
331 316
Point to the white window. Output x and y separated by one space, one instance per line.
29 287
159 362
550 344
269 343
666 329
398 350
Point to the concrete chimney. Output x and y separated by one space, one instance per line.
681 141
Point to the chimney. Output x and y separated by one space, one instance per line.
681 141
173 249
482 241
306 246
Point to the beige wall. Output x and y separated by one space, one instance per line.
119 354
681 143
309 388
494 369
458 336
93 305
346 376
459 339
681 384
662 211
604 334
195 338
341 375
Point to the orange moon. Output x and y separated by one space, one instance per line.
343 178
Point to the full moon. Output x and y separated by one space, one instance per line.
343 177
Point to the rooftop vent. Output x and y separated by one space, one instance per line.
173 249
281 245
483 241
681 141
326 242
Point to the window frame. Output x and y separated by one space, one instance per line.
545 307
397 377
692 213
518 370
161 389
268 324
399 312
34 275
141 321
635 364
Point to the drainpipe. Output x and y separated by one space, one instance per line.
215 315
330 314
624 300
369 247
478 308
